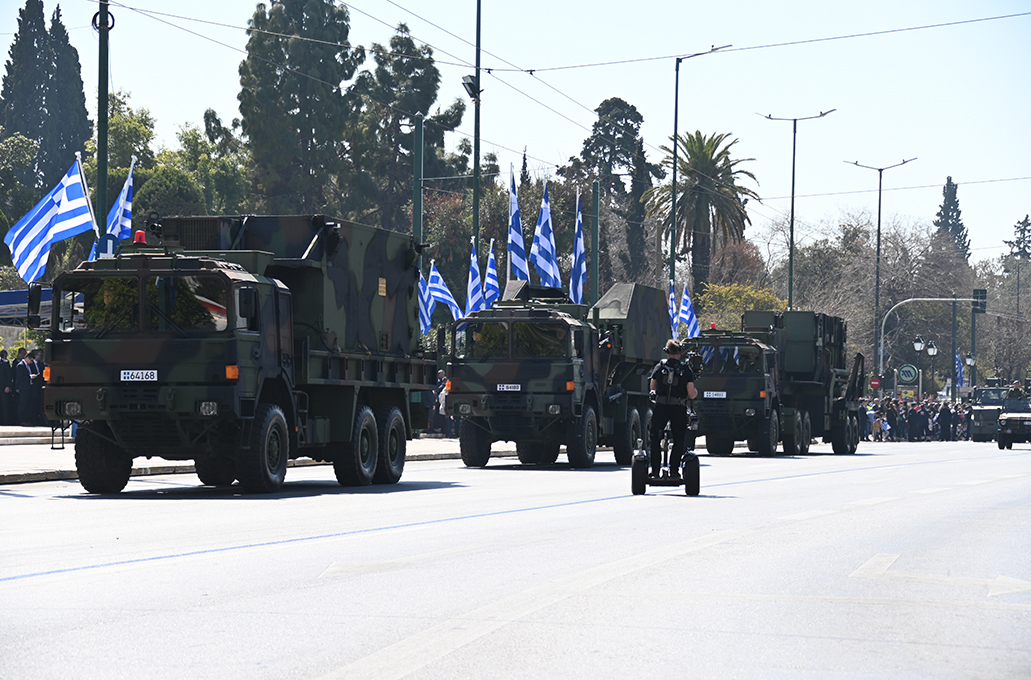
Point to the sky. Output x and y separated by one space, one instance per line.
943 82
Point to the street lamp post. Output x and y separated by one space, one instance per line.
918 345
673 194
932 351
791 223
971 362
877 283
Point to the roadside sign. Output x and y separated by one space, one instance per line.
908 373
907 393
107 246
875 382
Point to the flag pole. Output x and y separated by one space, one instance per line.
85 191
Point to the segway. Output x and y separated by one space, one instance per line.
690 473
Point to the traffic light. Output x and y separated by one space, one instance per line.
980 303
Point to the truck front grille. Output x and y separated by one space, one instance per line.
135 399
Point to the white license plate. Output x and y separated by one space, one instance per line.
138 376
715 395
510 388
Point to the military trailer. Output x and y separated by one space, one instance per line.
1014 423
542 372
782 378
240 343
987 405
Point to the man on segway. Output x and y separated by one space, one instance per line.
672 384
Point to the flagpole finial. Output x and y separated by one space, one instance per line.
78 156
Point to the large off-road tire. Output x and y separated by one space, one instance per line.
474 444
393 445
102 466
261 466
853 442
719 446
691 471
1002 445
639 475
215 470
770 435
583 443
528 452
841 435
793 434
807 434
627 434
355 462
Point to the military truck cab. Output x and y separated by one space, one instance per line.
987 405
1014 423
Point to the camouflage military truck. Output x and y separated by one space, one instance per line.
987 405
240 343
1014 424
782 378
533 370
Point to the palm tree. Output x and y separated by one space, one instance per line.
710 202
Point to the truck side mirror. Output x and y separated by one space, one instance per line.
248 303
35 297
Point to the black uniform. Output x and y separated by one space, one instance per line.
670 407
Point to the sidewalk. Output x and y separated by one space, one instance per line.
26 455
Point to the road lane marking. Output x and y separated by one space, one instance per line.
419 650
879 565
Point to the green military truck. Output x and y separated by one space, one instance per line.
543 372
240 343
1014 422
782 378
987 405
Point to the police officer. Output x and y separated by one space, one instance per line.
672 384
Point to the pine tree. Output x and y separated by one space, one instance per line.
524 174
27 73
949 222
1020 246
67 125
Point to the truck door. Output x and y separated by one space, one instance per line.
285 323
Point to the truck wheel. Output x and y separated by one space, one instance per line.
474 443
793 435
639 475
1002 446
528 455
853 442
840 437
103 467
549 453
355 463
215 470
261 468
627 434
393 446
770 435
692 475
807 434
584 443
719 446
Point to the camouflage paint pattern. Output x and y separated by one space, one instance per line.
338 311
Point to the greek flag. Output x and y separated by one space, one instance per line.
579 273
516 245
687 315
959 370
119 220
63 213
542 253
491 288
426 305
672 305
474 295
441 293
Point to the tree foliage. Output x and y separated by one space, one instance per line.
949 221
723 304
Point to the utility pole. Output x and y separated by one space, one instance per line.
103 22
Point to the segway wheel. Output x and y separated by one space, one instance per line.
639 475
692 475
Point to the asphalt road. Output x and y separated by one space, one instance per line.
903 561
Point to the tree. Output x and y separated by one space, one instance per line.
949 222
169 191
724 304
1020 246
68 126
215 160
27 73
710 200
294 109
613 145
16 199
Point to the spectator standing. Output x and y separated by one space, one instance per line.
7 410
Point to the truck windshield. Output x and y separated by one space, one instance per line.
991 396
531 340
185 304
481 340
98 305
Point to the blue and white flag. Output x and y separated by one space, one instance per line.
542 253
474 295
959 370
441 293
672 308
579 273
426 305
491 287
119 219
63 213
517 267
687 315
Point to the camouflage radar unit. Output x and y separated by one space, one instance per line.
782 378
543 372
240 343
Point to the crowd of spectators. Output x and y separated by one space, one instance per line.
897 420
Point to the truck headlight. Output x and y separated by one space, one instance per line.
465 409
554 409
749 412
72 409
209 408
